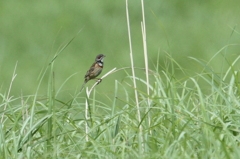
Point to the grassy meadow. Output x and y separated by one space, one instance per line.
174 93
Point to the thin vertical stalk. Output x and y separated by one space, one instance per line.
9 90
87 105
51 102
134 79
54 117
86 115
144 36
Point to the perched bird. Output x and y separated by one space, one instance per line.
94 70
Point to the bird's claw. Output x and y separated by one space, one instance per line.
99 81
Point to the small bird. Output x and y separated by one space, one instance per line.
94 70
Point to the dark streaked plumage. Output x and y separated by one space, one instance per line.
94 70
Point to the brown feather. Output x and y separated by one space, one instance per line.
94 70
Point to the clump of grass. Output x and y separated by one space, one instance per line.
179 119
193 117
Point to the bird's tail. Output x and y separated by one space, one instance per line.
83 86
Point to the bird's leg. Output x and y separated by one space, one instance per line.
99 80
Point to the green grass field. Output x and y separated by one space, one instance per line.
178 97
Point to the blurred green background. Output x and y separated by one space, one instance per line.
32 31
